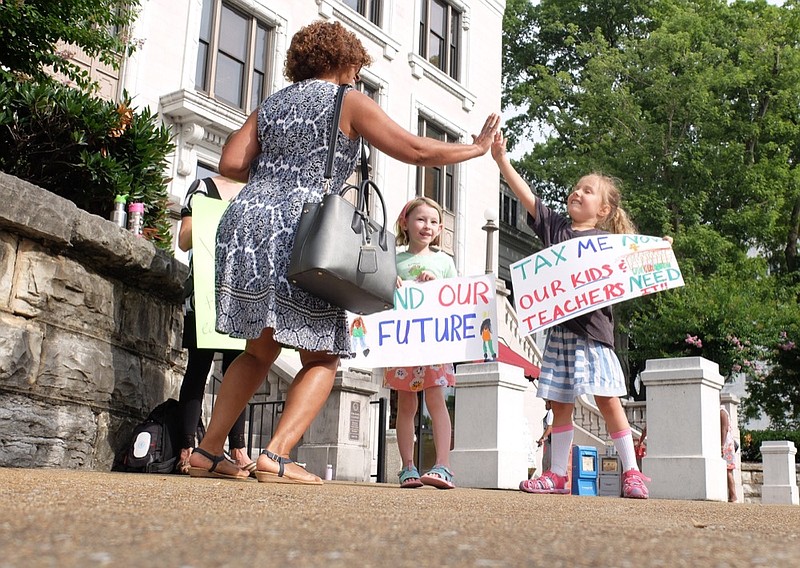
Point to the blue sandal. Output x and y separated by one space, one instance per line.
439 477
409 477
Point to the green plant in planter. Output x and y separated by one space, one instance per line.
86 149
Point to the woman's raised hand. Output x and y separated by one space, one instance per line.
485 138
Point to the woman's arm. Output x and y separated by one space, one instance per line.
241 150
185 234
362 116
514 180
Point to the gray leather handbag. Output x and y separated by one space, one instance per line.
340 253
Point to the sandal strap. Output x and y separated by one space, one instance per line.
280 460
215 460
442 471
407 473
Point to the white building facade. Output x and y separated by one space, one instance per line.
204 65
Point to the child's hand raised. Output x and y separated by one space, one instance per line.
499 147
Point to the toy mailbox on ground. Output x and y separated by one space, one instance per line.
584 470
610 476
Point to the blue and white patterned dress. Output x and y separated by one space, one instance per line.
256 233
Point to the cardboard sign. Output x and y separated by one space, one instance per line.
206 214
581 275
440 321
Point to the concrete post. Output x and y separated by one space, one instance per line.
684 457
340 434
780 479
731 403
490 447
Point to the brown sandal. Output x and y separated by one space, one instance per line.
270 477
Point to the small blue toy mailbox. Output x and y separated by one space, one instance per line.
584 470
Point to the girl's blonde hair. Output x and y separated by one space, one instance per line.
617 221
402 234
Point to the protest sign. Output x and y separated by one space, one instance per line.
206 213
440 321
581 275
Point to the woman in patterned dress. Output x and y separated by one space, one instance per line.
280 151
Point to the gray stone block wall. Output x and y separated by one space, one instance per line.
753 480
90 331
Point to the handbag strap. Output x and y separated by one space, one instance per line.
337 111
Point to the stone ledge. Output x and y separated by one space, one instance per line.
57 223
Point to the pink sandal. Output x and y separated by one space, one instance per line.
548 482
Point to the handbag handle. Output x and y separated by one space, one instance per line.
337 112
361 216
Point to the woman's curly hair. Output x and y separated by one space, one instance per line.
321 48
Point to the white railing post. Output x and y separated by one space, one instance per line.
490 446
684 454
780 477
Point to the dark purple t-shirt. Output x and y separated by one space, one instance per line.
552 229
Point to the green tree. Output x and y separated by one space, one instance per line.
695 107
65 139
36 35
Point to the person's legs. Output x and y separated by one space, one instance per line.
633 481
731 487
439 475
239 384
237 443
619 429
190 400
554 479
304 399
407 404
561 437
442 426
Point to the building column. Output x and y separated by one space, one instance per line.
684 457
490 447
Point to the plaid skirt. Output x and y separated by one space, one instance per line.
574 365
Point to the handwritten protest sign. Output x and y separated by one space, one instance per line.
440 321
206 213
581 275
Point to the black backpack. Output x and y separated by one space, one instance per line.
154 445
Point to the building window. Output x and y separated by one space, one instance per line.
371 92
232 63
440 35
370 9
508 209
439 183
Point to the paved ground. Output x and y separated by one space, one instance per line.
69 518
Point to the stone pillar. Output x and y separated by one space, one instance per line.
340 434
780 479
490 447
731 403
684 458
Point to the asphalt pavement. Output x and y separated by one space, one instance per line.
76 518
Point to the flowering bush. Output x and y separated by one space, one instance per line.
752 440
86 149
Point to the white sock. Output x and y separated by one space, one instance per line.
623 442
561 442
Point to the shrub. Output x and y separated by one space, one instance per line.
752 439
86 149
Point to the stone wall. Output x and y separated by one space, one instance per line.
90 331
753 479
